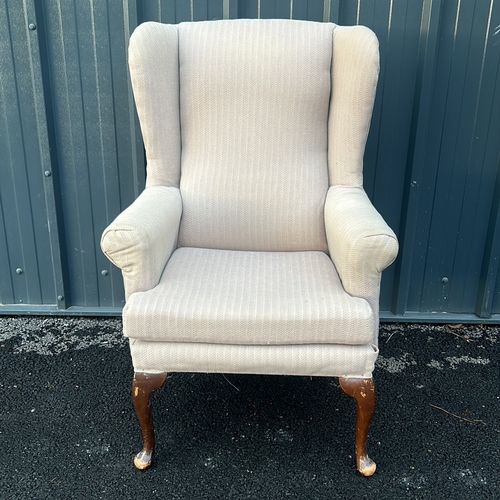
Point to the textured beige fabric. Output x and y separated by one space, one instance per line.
254 110
141 239
361 244
355 71
272 113
154 71
315 360
254 298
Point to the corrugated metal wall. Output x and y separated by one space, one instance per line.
72 158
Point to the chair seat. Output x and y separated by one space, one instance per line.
249 298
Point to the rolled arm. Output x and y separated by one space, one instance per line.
360 242
142 238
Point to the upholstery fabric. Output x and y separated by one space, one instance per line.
253 298
141 239
361 244
154 71
328 360
254 98
354 75
254 248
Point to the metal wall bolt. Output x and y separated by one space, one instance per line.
414 183
444 280
19 271
104 272
60 297
47 173
32 26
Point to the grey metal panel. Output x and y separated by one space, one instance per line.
207 10
100 163
177 11
166 11
249 9
30 266
312 10
488 301
456 188
275 8
431 162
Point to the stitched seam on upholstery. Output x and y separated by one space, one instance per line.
380 234
328 114
180 109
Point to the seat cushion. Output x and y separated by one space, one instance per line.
248 298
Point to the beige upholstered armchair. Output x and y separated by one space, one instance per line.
253 248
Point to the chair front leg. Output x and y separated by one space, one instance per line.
363 391
143 385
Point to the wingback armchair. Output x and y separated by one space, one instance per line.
253 248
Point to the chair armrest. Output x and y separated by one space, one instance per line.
142 238
360 242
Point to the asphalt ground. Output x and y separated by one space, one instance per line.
68 429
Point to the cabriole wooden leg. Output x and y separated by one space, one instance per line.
363 391
143 385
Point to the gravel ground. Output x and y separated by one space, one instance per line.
68 430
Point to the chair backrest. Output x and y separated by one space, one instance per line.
241 115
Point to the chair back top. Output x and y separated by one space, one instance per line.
241 116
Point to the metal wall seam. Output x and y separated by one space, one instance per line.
54 217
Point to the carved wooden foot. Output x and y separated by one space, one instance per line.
363 391
143 385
